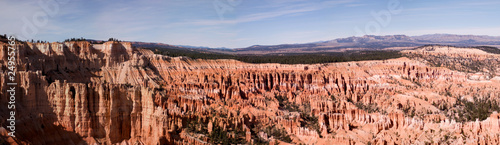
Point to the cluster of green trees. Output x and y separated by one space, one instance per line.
310 58
38 41
477 109
4 38
310 121
459 63
175 52
75 39
278 133
321 57
489 49
90 40
220 136
114 39
232 135
370 108
284 104
464 110
306 118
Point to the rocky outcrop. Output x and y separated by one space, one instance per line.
113 93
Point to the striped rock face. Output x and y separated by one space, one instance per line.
113 93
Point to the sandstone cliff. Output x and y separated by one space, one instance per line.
113 93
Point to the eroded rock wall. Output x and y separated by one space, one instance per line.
82 93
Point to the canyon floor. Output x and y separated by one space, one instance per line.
114 93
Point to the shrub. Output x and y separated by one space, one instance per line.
310 121
278 133
370 108
284 104
220 136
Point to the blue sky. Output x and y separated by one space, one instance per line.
242 23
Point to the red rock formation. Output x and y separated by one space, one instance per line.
113 93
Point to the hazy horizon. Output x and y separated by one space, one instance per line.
240 23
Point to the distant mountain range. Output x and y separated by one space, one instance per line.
371 42
367 42
201 47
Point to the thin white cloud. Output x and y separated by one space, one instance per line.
20 18
252 17
481 3
288 10
13 13
356 5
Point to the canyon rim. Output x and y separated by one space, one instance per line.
203 72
